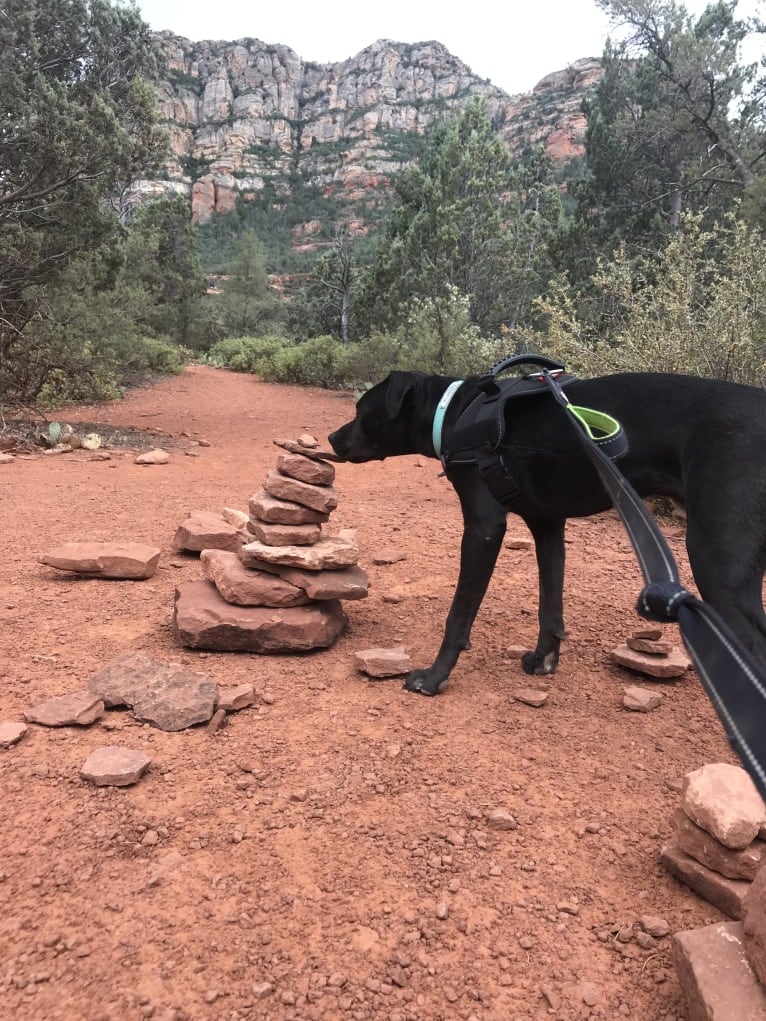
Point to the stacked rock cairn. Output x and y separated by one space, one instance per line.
718 848
274 581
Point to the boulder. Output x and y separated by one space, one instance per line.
723 800
247 586
133 561
204 620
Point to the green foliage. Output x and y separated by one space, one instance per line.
676 125
257 355
323 305
247 304
155 356
467 220
434 339
700 308
78 116
160 259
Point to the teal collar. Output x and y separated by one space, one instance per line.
441 411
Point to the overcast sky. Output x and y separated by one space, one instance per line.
514 44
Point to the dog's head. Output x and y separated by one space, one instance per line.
384 424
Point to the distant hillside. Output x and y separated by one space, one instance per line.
254 121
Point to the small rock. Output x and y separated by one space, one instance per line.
114 766
389 556
655 925
530 696
651 646
131 561
304 469
204 530
326 555
590 993
79 708
237 518
11 731
155 456
318 498
264 507
725 802
641 700
383 662
674 664
240 696
519 544
500 819
652 634
217 722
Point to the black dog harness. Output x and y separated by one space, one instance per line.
477 436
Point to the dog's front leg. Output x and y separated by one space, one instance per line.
549 548
483 531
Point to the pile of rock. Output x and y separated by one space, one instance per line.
648 653
718 849
274 580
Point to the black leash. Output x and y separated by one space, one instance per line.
734 683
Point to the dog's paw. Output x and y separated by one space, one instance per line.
533 663
422 682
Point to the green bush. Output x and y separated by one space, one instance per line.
321 361
159 357
700 308
248 354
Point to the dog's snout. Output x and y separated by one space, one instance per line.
338 442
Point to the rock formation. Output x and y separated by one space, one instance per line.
718 850
244 116
281 590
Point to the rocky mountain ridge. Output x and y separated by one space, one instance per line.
253 120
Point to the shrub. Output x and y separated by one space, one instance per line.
248 354
700 308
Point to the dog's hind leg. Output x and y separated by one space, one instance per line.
730 579
549 548
483 531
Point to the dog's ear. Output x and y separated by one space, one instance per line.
399 385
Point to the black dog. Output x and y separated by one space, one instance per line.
702 442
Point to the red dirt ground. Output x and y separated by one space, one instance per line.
327 855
